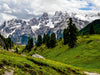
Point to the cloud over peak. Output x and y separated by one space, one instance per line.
25 9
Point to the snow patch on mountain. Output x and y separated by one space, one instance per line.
81 17
20 29
50 24
34 28
87 16
17 26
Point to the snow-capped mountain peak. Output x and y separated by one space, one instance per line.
18 29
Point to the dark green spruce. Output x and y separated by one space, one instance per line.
48 40
70 34
44 39
39 41
6 43
65 36
53 40
30 44
73 32
92 29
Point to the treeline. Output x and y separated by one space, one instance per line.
49 41
69 35
6 43
29 45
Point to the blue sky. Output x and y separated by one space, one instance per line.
88 7
26 9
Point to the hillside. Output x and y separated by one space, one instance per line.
96 25
85 55
15 64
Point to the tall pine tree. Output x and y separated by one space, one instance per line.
73 32
30 44
65 36
39 41
92 29
53 40
44 38
48 40
7 43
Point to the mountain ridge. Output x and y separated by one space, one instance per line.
17 29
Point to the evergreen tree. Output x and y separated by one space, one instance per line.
53 40
44 38
48 40
10 43
30 44
73 32
6 42
39 41
65 36
92 29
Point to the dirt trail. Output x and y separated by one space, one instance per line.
9 73
88 73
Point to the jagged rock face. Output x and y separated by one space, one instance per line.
59 17
79 23
19 29
33 22
10 27
44 19
42 30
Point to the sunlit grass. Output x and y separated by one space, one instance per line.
27 65
85 55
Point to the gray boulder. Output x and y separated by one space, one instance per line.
37 56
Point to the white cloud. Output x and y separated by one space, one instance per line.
55 5
5 6
5 17
25 9
96 3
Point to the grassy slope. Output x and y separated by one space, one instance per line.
25 65
86 55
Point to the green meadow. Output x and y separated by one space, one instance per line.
86 55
